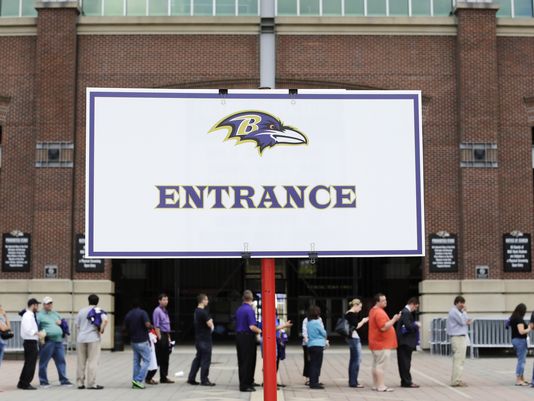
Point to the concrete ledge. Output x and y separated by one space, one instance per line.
482 286
14 286
58 4
479 4
62 302
168 25
478 303
436 303
512 300
439 286
518 286
93 287
50 286
366 25
106 302
13 303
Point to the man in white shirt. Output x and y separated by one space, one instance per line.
31 335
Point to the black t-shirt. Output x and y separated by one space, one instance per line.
135 323
202 330
352 318
513 324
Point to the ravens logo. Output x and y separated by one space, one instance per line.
260 127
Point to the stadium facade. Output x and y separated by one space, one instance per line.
472 60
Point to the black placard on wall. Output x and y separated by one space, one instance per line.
516 253
16 252
443 253
83 264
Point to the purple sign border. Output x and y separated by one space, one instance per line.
140 254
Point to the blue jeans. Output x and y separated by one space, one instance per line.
521 349
2 346
141 360
355 346
52 350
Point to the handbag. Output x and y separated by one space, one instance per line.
343 327
7 335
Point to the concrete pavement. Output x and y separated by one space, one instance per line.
488 378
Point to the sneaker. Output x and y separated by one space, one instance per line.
67 384
44 386
137 385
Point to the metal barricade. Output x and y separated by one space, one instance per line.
16 343
439 341
491 332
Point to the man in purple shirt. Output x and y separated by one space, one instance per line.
162 325
246 330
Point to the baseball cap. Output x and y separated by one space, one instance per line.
33 301
47 300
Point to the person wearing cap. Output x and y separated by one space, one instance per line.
354 342
30 334
50 321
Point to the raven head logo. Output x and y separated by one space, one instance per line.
260 127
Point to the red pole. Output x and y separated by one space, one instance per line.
268 319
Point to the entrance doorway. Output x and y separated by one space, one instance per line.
329 283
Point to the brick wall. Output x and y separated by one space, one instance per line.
473 87
17 84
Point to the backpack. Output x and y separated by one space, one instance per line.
95 317
342 327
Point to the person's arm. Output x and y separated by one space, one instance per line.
252 323
285 325
157 321
104 323
4 325
385 325
362 322
322 331
148 325
78 321
522 330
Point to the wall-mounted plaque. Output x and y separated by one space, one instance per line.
16 252
516 252
443 255
83 264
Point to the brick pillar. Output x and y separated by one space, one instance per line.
56 55
478 100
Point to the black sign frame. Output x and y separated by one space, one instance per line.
522 246
435 248
26 264
84 265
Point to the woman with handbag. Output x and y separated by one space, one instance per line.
354 341
5 331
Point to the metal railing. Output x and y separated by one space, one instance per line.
483 333
15 344
429 8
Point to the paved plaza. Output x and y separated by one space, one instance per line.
488 379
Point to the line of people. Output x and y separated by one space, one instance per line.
382 339
43 332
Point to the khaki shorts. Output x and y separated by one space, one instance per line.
380 359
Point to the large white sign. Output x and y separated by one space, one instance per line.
203 173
